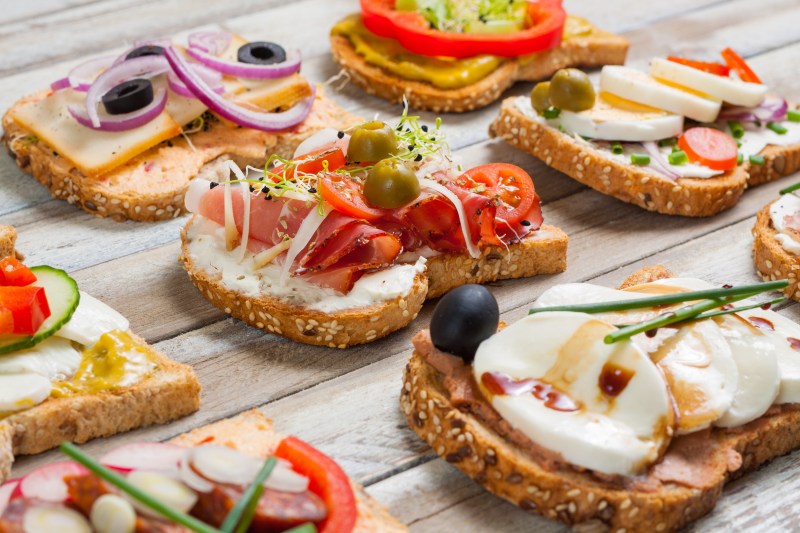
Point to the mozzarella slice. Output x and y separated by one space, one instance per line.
54 359
619 434
785 206
637 86
785 335
22 391
727 89
91 319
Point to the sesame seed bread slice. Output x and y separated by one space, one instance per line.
252 433
8 238
601 48
771 259
543 252
577 498
151 186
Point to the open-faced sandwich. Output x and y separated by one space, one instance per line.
456 56
685 139
342 244
237 475
70 369
122 135
609 410
776 240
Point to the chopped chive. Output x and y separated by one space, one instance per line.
757 159
739 158
249 500
737 130
793 115
670 141
678 158
777 128
640 159
616 148
790 188
675 149
721 312
551 112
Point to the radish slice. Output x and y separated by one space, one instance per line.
223 465
47 483
190 477
50 518
144 456
6 491
113 514
163 488
284 479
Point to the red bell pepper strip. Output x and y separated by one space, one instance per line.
327 480
6 321
706 66
546 28
13 272
737 63
28 306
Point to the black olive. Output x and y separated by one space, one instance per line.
464 318
146 50
261 53
128 96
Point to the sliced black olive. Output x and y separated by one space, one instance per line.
146 50
128 96
464 318
261 53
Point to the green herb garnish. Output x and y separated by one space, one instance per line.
793 115
777 128
616 148
242 513
757 159
640 159
670 141
737 130
678 157
790 188
551 113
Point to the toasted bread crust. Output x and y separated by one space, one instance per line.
771 259
691 197
577 498
601 49
8 238
170 392
151 186
543 255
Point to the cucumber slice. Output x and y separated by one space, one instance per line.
62 297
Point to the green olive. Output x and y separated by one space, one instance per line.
540 96
391 184
371 141
571 89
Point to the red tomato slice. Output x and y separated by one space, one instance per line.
13 272
709 147
509 184
6 321
327 480
545 30
711 67
737 63
315 162
346 196
28 305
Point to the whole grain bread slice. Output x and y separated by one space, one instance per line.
771 259
544 252
599 48
577 498
151 186
252 433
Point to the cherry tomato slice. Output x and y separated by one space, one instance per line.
509 184
346 196
706 66
737 63
329 158
709 147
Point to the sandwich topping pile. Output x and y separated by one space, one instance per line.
784 214
685 119
58 342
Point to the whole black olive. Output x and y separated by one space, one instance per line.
464 318
261 53
128 96
146 50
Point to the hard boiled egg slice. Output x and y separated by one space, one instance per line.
606 121
727 89
601 406
22 391
637 86
91 319
53 358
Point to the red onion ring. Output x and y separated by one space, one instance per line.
227 109
80 77
660 162
211 42
144 66
772 108
211 77
247 70
127 121
162 42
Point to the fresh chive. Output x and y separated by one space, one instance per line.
670 141
757 159
640 159
665 299
250 510
739 158
182 519
616 148
790 188
551 112
777 128
305 528
793 115
678 158
737 130
721 312
249 499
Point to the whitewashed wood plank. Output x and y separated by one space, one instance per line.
19 11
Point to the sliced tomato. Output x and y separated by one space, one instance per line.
6 321
545 29
511 186
329 158
327 480
737 63
706 66
13 272
28 306
709 147
346 196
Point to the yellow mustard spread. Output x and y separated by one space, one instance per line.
441 72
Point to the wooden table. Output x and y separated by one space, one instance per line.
346 402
